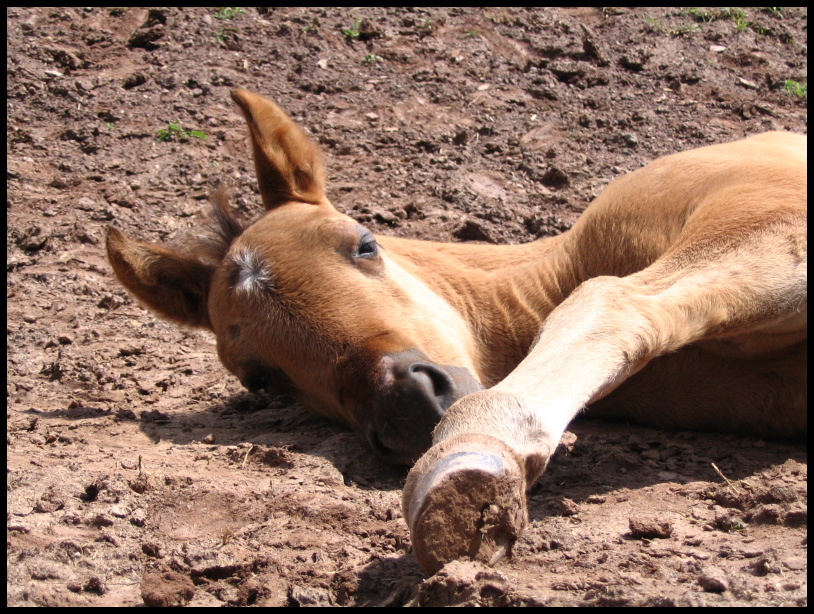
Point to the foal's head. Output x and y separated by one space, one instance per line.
306 302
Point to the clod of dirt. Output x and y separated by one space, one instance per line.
649 528
472 230
555 178
304 596
141 483
151 31
95 585
767 564
465 583
167 589
713 580
568 507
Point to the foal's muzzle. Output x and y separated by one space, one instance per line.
413 395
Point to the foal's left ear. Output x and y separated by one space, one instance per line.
289 165
171 283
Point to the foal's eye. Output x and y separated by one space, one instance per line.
368 248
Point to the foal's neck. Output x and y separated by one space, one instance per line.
504 292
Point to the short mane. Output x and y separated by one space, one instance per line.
222 229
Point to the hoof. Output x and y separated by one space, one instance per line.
467 498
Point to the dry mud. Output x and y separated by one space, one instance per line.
138 471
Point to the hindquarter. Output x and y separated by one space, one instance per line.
695 389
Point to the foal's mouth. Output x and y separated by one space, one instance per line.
390 455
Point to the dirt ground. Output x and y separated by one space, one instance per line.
139 471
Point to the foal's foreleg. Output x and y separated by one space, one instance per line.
466 496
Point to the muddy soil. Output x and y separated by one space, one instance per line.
139 471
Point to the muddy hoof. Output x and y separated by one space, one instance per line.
467 498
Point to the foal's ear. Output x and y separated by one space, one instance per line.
171 284
289 166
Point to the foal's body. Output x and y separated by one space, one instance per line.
678 299
655 223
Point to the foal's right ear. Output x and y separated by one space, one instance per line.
173 285
289 165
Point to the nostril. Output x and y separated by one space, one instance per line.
437 381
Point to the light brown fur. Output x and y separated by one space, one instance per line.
678 299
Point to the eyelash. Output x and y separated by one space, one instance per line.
368 248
